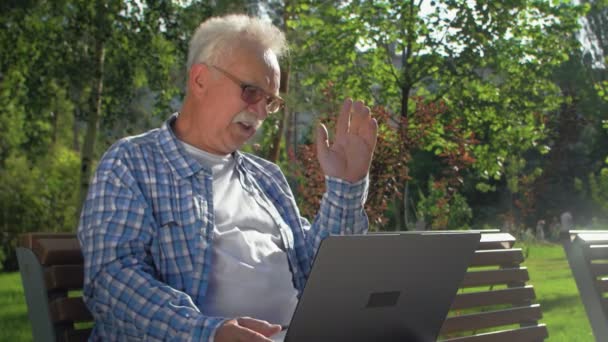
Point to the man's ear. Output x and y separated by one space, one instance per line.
198 78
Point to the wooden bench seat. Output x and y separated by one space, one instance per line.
494 303
587 252
493 295
51 267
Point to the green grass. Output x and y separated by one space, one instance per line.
556 291
14 324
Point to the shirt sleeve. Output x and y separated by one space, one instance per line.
341 211
122 288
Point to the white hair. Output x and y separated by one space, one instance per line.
217 36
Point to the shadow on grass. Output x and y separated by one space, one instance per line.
548 262
15 327
11 297
556 277
564 301
10 294
14 319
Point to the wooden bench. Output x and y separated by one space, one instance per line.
493 294
51 267
587 253
494 303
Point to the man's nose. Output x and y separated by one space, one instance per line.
260 109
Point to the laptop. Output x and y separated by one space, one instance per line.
381 287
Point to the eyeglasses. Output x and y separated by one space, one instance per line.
252 94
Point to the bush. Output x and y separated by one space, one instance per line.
443 209
37 196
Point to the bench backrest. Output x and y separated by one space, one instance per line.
494 303
493 295
51 267
587 252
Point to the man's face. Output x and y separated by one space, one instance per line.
229 121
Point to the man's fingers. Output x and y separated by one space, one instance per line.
248 335
259 326
322 141
359 118
232 330
342 126
369 133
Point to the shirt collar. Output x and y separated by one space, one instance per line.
176 156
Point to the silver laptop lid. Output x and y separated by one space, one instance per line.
384 287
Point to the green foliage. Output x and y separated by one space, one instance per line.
598 186
490 63
513 96
38 196
594 190
441 209
49 71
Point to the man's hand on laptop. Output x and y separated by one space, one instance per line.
246 329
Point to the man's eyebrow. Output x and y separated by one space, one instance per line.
261 88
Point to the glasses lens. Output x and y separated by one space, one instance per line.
251 94
273 105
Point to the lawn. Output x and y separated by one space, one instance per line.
556 291
14 324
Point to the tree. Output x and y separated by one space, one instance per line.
490 62
123 43
66 64
576 136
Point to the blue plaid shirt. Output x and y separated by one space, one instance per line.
146 235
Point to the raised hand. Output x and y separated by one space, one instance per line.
350 155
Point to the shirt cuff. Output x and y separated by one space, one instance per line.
344 193
206 328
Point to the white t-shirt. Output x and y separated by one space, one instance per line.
250 273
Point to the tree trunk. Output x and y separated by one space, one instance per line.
76 130
88 148
55 120
284 88
275 151
401 203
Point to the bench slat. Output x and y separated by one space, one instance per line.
595 252
80 335
482 320
599 270
515 295
602 284
533 333
64 277
69 310
58 251
28 240
496 277
598 238
496 241
503 257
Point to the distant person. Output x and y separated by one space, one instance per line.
566 224
540 230
185 238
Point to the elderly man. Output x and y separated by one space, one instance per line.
186 238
